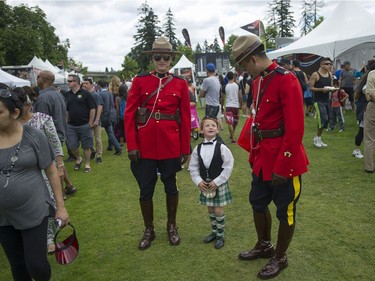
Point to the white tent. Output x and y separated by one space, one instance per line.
41 65
347 34
12 81
185 68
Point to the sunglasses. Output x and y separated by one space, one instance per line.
5 94
158 57
327 63
70 81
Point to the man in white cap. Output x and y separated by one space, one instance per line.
157 128
277 155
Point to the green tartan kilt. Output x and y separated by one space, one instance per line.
223 197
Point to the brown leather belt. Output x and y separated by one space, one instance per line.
163 116
266 134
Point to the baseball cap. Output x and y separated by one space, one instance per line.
210 67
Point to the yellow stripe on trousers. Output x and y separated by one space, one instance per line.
297 190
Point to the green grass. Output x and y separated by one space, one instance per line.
334 237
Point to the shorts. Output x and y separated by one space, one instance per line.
232 115
212 111
285 197
244 98
80 134
308 101
350 92
322 109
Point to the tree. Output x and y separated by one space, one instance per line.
25 32
198 49
229 46
283 17
147 31
216 47
206 48
130 68
185 50
309 15
169 30
271 34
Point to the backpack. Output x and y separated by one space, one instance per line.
122 108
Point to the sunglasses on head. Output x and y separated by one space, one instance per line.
327 63
5 94
158 57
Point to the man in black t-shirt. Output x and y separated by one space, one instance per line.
81 113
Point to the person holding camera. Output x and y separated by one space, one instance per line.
157 128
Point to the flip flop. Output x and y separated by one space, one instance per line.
87 170
77 166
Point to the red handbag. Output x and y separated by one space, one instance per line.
67 250
245 135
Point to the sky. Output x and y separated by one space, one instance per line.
101 32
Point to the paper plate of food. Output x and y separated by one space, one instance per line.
331 88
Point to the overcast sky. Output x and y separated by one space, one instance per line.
101 32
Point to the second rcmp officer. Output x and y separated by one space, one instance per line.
157 128
277 155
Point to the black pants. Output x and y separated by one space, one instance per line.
145 174
26 252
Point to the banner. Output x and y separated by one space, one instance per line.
257 28
185 33
222 35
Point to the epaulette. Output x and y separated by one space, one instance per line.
281 70
143 74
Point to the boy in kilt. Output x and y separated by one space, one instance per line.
210 167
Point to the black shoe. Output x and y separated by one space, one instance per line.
210 238
92 157
261 250
109 148
70 190
369 172
70 159
219 243
273 267
99 160
118 152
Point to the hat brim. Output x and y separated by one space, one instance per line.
162 52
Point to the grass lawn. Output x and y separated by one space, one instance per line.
334 237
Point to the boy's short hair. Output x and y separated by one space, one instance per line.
209 118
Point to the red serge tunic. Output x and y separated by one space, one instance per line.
281 103
158 139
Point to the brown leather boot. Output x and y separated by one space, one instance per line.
172 203
263 248
147 209
279 261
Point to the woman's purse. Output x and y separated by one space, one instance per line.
67 250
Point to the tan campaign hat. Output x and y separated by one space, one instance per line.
244 46
161 46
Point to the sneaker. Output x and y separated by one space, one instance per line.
317 143
322 143
341 130
357 154
99 160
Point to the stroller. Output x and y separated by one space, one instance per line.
194 122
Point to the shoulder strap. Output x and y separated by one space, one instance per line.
264 88
154 92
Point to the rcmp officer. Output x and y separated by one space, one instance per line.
157 128
277 155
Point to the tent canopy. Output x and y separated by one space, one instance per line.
185 68
347 34
12 81
41 65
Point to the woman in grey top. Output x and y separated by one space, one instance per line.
25 203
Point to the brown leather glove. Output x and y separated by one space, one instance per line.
278 180
184 158
134 155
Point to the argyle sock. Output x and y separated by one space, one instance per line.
220 224
213 222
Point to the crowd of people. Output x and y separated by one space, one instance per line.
152 117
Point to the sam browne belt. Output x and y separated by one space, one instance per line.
265 134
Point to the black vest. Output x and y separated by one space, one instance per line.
215 168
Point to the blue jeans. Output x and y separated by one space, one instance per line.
112 141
